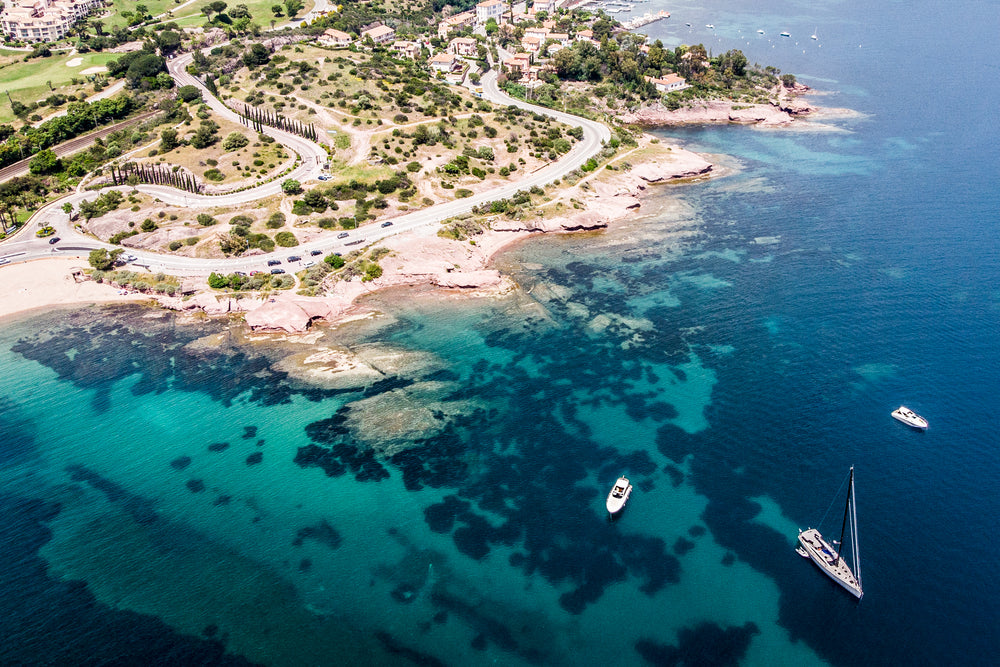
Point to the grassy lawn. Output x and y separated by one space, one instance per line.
28 81
155 8
191 15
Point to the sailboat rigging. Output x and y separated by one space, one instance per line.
830 560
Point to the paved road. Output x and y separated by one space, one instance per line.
594 135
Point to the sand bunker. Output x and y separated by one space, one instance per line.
75 62
92 70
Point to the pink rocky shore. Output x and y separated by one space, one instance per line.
422 257
787 105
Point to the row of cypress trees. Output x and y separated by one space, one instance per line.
155 174
257 118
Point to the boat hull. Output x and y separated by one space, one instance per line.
826 559
619 495
910 418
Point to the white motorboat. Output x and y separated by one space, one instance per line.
785 34
619 495
710 26
760 32
909 417
827 558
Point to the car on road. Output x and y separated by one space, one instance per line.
54 240
275 272
342 235
294 258
4 260
273 262
387 223
308 264
315 252
130 258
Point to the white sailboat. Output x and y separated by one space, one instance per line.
830 560
813 36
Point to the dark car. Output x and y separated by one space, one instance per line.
239 273
315 252
273 262
294 258
277 271
53 240
342 235
387 223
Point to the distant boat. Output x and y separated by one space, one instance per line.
619 495
813 36
710 26
909 417
829 560
785 34
760 32
688 24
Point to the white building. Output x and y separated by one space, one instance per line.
380 34
334 38
43 20
669 83
490 9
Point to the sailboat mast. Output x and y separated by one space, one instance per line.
856 550
847 511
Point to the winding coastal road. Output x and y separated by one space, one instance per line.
312 155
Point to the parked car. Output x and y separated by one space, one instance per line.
4 260
253 273
315 252
277 271
54 240
273 262
294 258
342 235
308 264
323 177
239 273
387 223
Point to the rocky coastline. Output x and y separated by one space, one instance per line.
786 105
424 258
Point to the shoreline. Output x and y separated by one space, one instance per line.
420 257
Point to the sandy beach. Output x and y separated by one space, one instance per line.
44 283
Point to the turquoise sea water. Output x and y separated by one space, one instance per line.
174 492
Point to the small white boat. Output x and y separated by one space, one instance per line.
909 417
710 26
760 32
785 34
619 495
813 36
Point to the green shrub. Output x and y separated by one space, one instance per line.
175 245
234 141
191 240
215 175
276 220
299 207
286 239
462 193
241 220
335 261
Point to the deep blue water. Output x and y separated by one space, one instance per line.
175 493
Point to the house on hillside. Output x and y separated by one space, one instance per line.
490 9
455 22
669 83
380 34
334 38
464 46
406 49
444 62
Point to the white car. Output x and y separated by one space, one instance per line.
308 264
